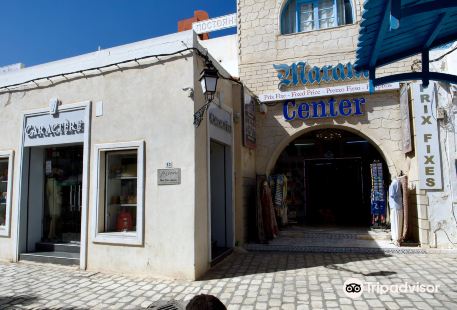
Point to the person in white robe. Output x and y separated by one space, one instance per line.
396 210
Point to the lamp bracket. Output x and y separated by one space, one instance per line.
198 116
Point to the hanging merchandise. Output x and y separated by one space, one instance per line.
404 188
278 184
378 199
260 231
270 225
396 210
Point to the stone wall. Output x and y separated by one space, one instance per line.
380 125
261 45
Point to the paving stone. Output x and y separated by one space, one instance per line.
242 281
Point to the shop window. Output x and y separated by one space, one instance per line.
120 206
6 165
308 15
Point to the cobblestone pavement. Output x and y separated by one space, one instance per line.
243 281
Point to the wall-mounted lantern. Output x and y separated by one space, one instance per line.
208 81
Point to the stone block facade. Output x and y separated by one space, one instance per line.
380 125
261 45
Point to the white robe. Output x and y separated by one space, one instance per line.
396 210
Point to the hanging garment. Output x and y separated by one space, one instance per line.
269 220
396 210
284 212
404 190
378 202
259 214
54 205
278 185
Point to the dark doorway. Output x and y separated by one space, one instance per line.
62 194
335 192
221 203
329 178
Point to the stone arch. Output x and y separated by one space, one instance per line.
373 141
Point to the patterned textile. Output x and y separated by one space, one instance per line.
378 199
270 225
404 186
278 184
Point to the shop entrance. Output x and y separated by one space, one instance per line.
343 177
63 194
221 199
334 179
53 184
53 200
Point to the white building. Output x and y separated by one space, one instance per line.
101 162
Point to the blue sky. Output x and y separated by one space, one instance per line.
39 31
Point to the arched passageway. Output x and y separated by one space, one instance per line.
331 179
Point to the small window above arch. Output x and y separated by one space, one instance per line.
308 15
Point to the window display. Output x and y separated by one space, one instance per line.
121 191
118 215
3 190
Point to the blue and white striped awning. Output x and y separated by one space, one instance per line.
392 30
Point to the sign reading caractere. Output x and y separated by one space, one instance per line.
64 128
67 126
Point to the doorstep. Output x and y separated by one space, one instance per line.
60 258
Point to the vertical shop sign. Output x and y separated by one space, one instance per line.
220 124
406 142
249 122
427 139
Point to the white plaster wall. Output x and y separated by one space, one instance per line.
139 103
224 51
442 204
150 105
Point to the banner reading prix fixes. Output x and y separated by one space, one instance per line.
427 137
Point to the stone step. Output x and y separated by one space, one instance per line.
253 247
58 247
61 258
369 235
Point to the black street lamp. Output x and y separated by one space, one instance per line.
208 81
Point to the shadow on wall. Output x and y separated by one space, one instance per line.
250 263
